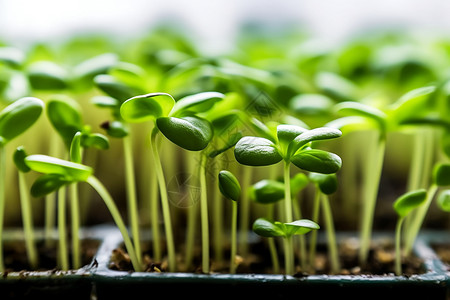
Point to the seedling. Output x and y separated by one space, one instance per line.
266 228
403 206
443 201
25 205
326 184
179 123
15 119
58 173
230 188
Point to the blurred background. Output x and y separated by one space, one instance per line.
214 22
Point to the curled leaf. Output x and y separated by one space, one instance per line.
409 201
47 184
147 107
229 185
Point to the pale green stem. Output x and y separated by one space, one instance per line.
244 210
315 218
301 238
417 221
131 194
2 202
370 193
63 253
272 246
115 213
164 202
192 213
217 219
75 221
50 199
27 219
155 218
398 253
233 236
288 256
331 235
204 216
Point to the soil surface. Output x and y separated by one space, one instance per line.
16 259
380 261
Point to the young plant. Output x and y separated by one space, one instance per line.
291 144
58 173
179 123
326 184
25 205
15 119
231 189
266 228
441 178
403 206
443 201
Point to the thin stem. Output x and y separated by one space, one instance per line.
370 192
331 235
63 253
417 221
164 202
398 254
272 246
204 215
233 236
109 202
288 256
287 192
217 218
315 218
155 218
131 194
301 238
192 213
244 210
2 202
27 219
75 218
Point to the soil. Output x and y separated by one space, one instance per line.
380 261
443 252
16 257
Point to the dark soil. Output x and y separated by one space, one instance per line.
16 259
380 261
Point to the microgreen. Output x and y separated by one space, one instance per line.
403 206
178 122
67 172
266 228
443 201
15 119
229 187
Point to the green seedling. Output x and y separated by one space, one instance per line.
266 228
15 119
403 206
47 75
58 173
443 201
405 111
25 205
178 122
326 184
66 118
292 144
441 178
230 188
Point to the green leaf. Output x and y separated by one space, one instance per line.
321 133
115 129
96 140
105 101
229 185
114 88
46 75
17 117
327 183
413 103
19 159
287 133
441 174
443 201
147 107
266 228
267 191
190 133
311 104
47 184
319 161
256 151
96 65
75 151
12 56
409 201
64 114
50 165
300 227
298 182
200 102
353 108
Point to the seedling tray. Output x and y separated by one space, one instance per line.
432 284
